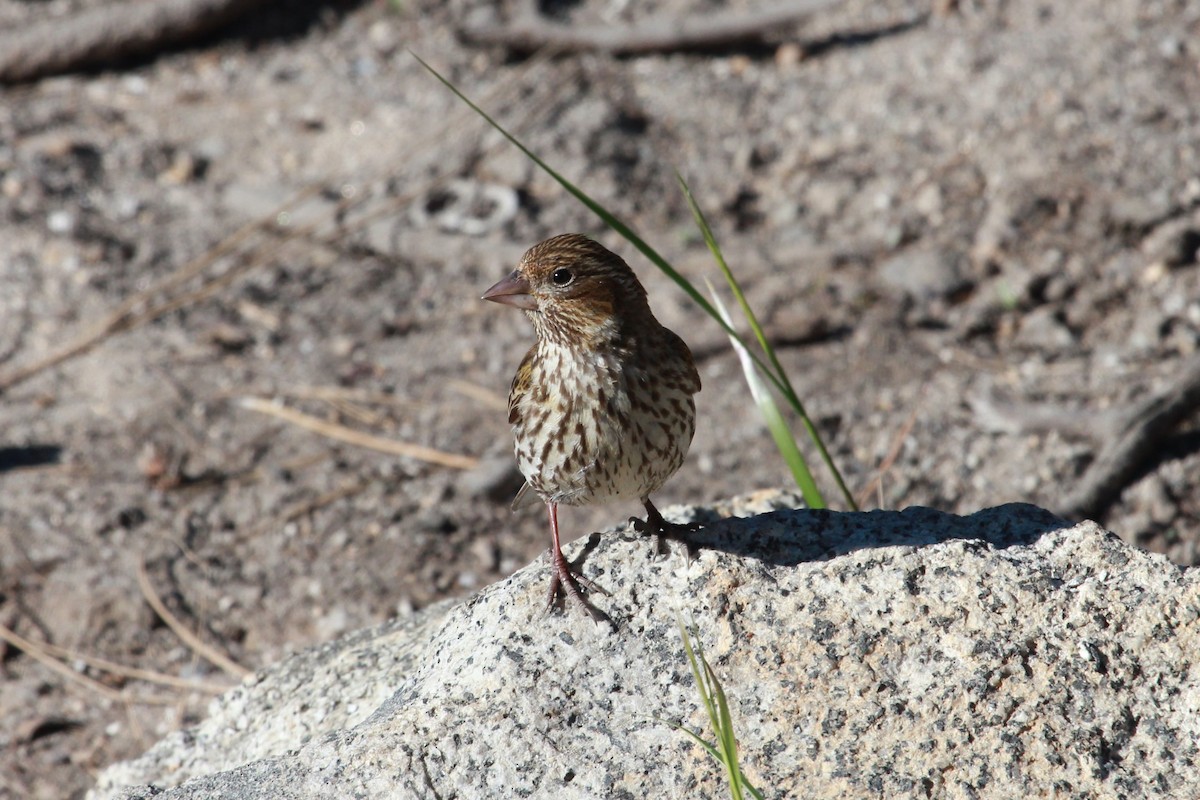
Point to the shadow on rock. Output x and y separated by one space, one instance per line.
793 536
34 455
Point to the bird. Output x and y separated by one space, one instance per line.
602 406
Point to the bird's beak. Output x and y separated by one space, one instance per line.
512 291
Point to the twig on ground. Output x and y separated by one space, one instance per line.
34 651
38 653
204 650
488 397
337 394
1134 436
1127 437
350 436
305 507
109 34
123 318
998 416
136 673
893 453
529 31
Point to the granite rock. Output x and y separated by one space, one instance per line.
884 654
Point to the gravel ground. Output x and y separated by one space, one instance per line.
971 231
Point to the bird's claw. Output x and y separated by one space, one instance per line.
655 525
572 585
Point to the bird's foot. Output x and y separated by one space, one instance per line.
655 525
572 586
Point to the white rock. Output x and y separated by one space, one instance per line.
883 654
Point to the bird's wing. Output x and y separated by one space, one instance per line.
524 497
522 382
683 356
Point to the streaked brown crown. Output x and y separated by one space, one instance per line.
584 291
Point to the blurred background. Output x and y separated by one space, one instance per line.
242 246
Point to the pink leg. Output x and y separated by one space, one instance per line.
564 577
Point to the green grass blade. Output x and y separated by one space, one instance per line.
728 737
776 424
599 210
703 676
698 676
712 751
712 696
695 737
776 372
607 217
775 375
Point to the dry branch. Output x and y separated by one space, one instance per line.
141 308
485 396
1131 439
304 508
1127 438
529 31
889 460
136 673
126 316
350 436
38 652
101 36
202 649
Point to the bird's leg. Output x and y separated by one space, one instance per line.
564 577
655 524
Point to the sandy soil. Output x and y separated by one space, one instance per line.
971 231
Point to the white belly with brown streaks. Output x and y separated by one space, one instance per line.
589 431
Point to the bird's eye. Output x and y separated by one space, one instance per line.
561 277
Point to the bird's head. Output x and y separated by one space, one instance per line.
574 290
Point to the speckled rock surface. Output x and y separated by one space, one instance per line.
897 654
326 688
